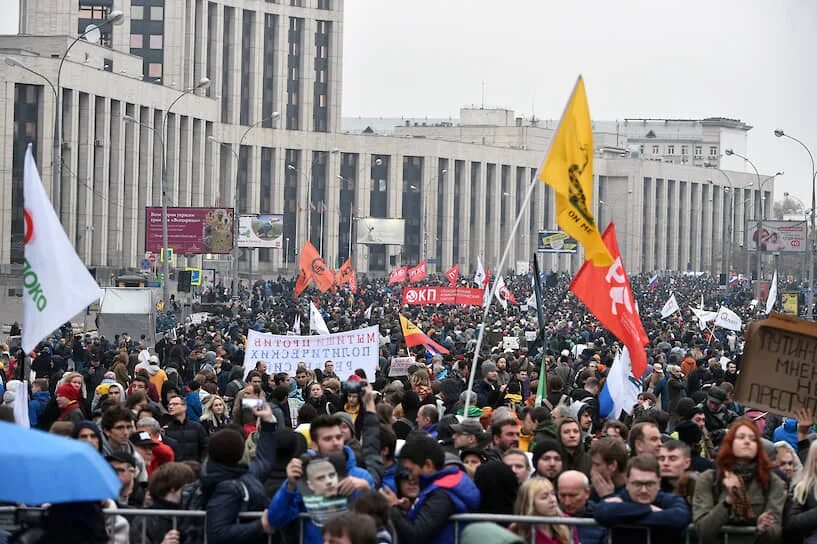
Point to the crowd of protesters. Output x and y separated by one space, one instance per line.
381 459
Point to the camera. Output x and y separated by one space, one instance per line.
255 404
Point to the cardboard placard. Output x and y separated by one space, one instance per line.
510 343
530 336
779 366
399 366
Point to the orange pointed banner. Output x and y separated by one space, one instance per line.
344 273
415 337
314 269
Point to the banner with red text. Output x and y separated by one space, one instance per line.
464 296
349 351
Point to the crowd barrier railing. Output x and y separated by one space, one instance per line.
7 513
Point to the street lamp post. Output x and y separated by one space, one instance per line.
805 213
236 200
812 248
160 133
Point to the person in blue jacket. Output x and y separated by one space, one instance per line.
660 517
327 438
444 491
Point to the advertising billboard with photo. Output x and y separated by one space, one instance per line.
262 230
555 241
190 230
374 230
777 236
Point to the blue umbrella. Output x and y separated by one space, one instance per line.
42 467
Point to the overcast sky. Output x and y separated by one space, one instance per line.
753 61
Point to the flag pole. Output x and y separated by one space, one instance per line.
502 260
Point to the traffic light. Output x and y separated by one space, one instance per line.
183 285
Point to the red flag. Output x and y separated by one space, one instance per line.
398 275
606 293
505 292
417 273
344 273
314 268
453 274
301 283
487 282
353 282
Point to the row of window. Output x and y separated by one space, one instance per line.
154 13
656 150
150 41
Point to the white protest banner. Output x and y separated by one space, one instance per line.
530 336
510 343
670 307
728 319
399 366
349 351
199 317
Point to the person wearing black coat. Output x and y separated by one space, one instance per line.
191 438
231 488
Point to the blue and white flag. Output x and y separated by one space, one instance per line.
620 391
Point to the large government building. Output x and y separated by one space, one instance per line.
269 126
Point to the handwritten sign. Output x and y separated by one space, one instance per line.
510 343
779 368
399 366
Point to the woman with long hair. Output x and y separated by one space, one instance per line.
787 462
800 517
537 498
741 490
214 414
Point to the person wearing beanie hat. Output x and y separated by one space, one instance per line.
89 432
487 387
67 398
233 488
548 459
691 434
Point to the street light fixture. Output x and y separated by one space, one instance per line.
236 200
758 246
160 133
812 248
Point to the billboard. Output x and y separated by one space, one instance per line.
262 230
555 241
190 230
373 230
778 236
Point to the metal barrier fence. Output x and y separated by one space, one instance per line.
458 519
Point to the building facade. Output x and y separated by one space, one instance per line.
458 184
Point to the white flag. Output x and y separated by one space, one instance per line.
368 313
21 405
296 325
500 289
670 307
772 294
316 322
703 316
479 275
728 319
621 389
57 284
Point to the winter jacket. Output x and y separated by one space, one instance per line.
190 437
710 512
484 392
667 526
445 493
578 460
787 432
800 520
194 408
225 500
590 534
545 430
287 505
155 527
36 407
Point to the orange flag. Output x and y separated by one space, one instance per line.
313 268
301 283
344 273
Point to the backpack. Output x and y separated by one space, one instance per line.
193 498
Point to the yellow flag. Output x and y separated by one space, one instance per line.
568 169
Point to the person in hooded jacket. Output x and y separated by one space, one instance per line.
68 401
156 375
444 491
230 488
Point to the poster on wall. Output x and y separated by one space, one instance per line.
261 230
190 231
